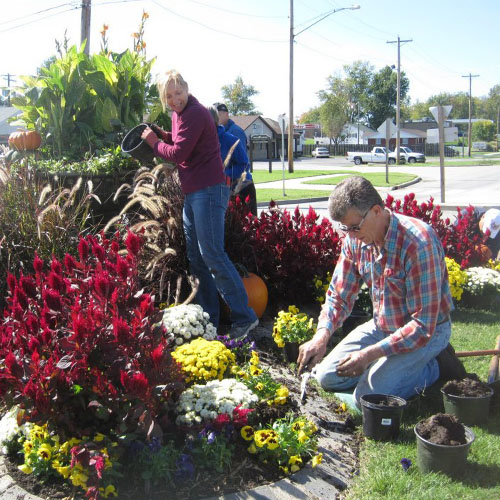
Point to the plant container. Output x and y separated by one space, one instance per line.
468 410
432 457
133 145
291 351
382 415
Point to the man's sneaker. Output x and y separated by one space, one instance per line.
240 331
450 367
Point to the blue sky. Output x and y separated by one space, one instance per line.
211 42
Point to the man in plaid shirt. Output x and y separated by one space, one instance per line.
401 260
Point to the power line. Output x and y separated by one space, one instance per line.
235 35
235 12
35 13
37 20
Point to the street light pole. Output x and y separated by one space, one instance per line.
290 95
398 97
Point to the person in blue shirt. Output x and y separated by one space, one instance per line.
242 181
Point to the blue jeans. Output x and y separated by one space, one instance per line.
401 375
203 219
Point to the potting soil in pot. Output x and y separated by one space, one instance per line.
442 429
468 387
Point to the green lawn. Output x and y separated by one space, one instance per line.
461 163
291 194
377 179
381 475
260 176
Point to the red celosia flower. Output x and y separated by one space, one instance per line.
21 298
28 285
122 268
53 300
17 311
136 384
83 250
11 282
121 330
99 252
157 355
56 266
38 264
103 286
81 327
55 281
115 247
12 365
221 420
133 243
69 263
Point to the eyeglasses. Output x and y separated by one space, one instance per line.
356 228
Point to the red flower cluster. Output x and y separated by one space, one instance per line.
461 238
286 250
81 345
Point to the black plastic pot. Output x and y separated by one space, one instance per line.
133 145
381 421
451 460
469 411
291 351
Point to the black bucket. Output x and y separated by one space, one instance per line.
133 145
468 410
432 457
382 415
291 351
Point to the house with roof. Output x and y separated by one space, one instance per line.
264 136
352 130
412 138
6 128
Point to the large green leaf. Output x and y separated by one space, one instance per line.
108 112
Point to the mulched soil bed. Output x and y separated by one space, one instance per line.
442 429
245 473
468 387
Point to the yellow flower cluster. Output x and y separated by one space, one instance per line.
456 277
292 326
261 383
43 452
204 359
321 286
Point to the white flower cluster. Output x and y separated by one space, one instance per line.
187 322
481 279
9 427
205 402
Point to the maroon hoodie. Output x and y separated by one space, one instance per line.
193 145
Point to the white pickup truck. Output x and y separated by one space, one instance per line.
376 155
411 156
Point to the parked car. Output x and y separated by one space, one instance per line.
320 152
411 156
376 155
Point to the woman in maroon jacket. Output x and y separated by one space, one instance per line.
193 146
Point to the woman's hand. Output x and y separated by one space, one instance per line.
149 136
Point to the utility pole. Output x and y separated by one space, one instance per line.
469 135
290 108
9 79
498 118
85 25
398 97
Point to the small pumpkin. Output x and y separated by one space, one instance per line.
25 140
484 252
257 292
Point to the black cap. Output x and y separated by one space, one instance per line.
221 107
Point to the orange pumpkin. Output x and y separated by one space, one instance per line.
257 293
484 252
25 140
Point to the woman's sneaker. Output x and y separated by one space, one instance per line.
240 331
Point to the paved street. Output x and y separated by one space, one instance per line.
464 185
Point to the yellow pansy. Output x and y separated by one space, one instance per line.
247 433
317 459
25 468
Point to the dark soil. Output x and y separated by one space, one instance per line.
468 387
442 429
386 401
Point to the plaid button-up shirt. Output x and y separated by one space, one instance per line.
407 279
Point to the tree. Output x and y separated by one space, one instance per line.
382 96
311 116
237 98
483 130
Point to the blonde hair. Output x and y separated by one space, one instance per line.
214 113
164 81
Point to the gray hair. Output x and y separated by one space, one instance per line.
353 192
214 113
163 82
